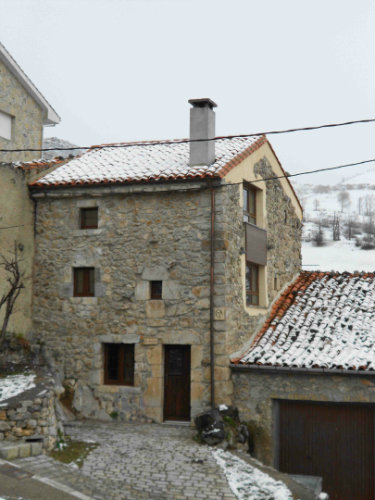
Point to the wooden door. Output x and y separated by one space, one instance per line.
177 382
333 441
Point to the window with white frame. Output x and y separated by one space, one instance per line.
5 126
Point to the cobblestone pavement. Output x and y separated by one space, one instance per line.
138 462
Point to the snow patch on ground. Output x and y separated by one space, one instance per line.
15 384
337 256
247 482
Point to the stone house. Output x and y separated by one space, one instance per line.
154 261
23 114
24 111
17 228
307 382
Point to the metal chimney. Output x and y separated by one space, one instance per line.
202 126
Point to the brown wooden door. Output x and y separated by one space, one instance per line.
177 382
333 441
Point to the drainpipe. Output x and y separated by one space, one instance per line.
212 276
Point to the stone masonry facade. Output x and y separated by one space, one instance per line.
27 118
151 232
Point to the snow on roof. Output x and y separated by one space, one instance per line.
322 320
148 161
28 165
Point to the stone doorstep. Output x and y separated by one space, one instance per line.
20 449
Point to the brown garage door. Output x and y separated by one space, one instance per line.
334 441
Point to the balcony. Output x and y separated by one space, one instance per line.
256 244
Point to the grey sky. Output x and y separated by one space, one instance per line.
119 70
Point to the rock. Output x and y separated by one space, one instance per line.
228 411
84 401
210 426
243 433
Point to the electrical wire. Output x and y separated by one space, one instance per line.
185 141
260 180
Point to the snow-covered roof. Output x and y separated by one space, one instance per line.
51 117
148 161
322 320
28 165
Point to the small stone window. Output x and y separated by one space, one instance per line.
89 218
156 290
119 364
249 204
6 126
252 284
83 281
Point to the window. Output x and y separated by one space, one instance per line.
84 281
252 284
119 364
5 126
156 290
89 218
249 204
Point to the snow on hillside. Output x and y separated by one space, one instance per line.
55 142
337 256
353 206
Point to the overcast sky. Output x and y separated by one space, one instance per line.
120 70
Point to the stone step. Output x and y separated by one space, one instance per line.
13 449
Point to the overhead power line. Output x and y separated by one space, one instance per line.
185 141
306 172
260 180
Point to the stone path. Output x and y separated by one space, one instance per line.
138 462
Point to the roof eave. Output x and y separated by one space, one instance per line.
241 367
51 117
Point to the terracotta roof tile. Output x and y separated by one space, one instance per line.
322 320
145 162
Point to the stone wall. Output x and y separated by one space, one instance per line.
30 415
256 393
141 237
283 228
27 126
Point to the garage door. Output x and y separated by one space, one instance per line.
334 441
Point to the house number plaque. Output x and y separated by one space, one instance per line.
219 314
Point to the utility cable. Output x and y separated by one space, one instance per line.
256 180
185 141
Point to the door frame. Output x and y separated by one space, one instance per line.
186 347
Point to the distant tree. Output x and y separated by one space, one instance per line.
360 205
15 283
369 205
336 227
344 199
318 238
349 228
316 204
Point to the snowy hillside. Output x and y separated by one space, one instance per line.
55 142
339 224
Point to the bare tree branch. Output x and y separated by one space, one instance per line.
15 278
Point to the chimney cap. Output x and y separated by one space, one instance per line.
202 103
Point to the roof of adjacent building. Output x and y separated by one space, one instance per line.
322 320
148 161
51 117
40 163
